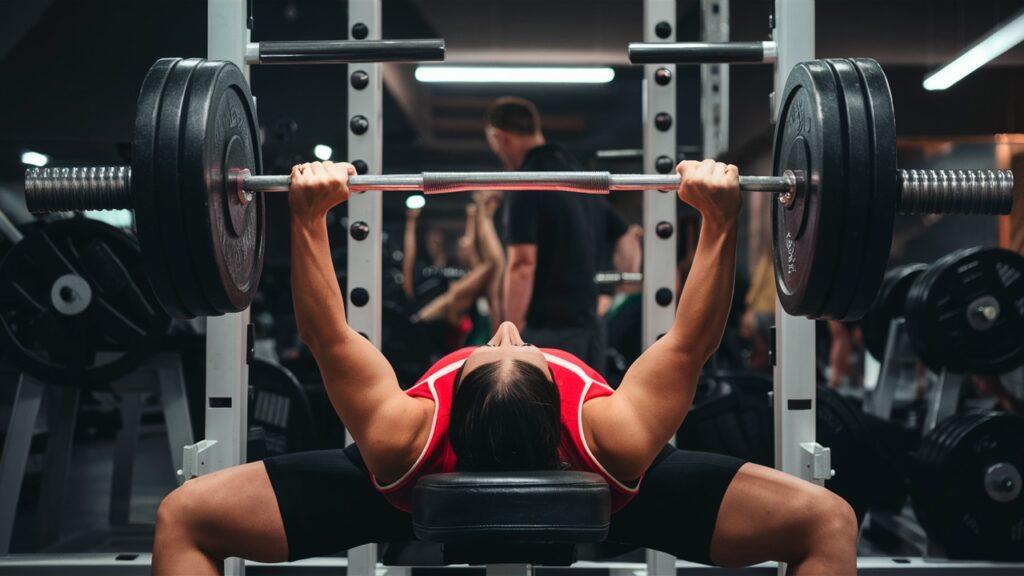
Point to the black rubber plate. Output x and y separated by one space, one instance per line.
884 193
221 136
948 486
122 316
856 190
144 186
889 305
170 184
809 139
941 301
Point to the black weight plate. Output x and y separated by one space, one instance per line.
171 186
946 310
915 302
925 494
222 136
856 191
888 306
58 338
808 140
882 209
144 185
977 507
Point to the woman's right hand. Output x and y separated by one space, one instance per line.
713 188
317 187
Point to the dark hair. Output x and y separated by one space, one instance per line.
513 114
505 416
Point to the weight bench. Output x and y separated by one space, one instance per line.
519 518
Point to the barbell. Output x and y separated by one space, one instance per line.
196 173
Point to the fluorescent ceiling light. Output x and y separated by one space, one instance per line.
515 74
34 158
415 202
323 151
978 54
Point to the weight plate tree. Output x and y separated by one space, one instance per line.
965 313
965 485
196 169
889 305
70 291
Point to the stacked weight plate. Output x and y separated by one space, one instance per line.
966 485
195 127
76 308
889 305
965 313
836 131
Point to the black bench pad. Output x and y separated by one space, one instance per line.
540 507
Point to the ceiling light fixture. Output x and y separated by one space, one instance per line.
989 47
323 151
516 74
34 158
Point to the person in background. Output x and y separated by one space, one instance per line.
449 317
553 241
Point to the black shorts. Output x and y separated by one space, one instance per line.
328 504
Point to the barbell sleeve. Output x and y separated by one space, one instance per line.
919 191
702 52
78 188
344 51
955 191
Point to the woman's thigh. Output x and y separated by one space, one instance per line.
677 507
328 504
718 510
286 508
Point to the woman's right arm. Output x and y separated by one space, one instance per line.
385 422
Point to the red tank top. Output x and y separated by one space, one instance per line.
577 383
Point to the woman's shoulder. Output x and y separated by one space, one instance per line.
573 364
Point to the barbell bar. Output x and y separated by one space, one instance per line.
59 189
196 168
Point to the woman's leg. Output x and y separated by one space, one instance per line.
716 509
284 508
769 515
232 512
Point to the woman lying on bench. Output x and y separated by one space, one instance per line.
508 406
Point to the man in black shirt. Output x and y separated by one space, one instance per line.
554 240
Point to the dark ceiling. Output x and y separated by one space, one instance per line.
70 71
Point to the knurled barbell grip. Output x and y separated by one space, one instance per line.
579 182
